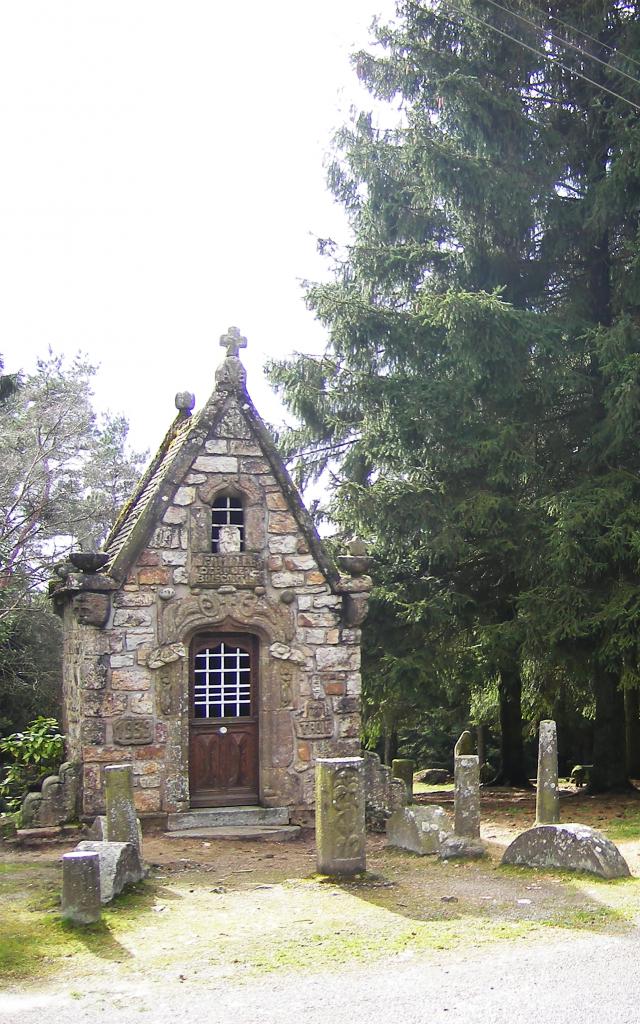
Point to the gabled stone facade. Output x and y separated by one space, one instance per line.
142 619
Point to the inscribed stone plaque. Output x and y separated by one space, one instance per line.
316 721
133 731
243 569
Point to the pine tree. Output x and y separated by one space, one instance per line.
481 380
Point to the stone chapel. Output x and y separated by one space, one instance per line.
213 644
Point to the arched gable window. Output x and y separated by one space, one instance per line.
227 510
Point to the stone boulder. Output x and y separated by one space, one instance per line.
432 776
120 865
569 847
421 830
463 847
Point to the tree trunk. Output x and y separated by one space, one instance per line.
390 745
482 745
609 770
632 723
512 771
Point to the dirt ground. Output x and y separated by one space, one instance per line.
505 813
216 910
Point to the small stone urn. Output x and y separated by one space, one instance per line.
357 562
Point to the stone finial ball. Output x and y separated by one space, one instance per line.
185 401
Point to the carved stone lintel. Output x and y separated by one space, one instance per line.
244 608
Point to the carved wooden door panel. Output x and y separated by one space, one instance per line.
223 720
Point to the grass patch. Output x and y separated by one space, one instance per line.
422 787
627 827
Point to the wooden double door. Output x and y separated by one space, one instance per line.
223 720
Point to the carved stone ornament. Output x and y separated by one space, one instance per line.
244 608
91 609
285 676
166 688
315 721
233 424
345 799
285 653
133 731
165 655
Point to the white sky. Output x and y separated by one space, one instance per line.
162 177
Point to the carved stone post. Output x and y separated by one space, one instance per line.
403 768
121 821
467 795
547 795
340 824
81 887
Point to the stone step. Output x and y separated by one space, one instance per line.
218 817
255 833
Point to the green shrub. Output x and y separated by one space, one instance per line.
28 757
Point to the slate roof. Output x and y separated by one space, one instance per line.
147 487
182 443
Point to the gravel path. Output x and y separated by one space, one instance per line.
590 978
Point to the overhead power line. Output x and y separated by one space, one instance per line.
563 41
581 32
541 53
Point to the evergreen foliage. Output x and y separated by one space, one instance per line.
64 473
480 396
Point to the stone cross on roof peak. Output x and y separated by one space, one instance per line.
233 341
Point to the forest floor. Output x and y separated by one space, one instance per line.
226 912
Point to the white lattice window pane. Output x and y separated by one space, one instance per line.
226 511
222 683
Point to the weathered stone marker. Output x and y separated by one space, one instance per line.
403 768
464 744
547 795
340 824
119 866
421 830
467 795
81 887
121 822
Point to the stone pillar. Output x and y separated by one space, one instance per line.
121 825
467 795
547 795
403 768
81 887
340 826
